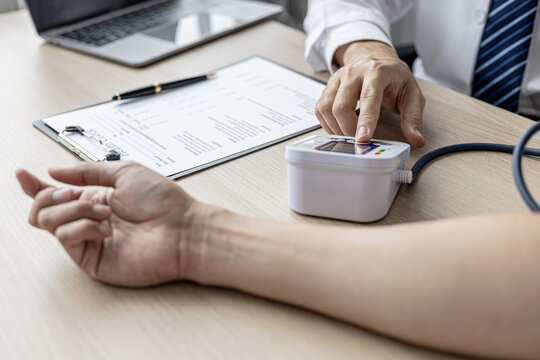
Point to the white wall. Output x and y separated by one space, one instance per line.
403 31
8 5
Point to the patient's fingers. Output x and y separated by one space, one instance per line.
50 196
30 183
52 217
77 232
92 173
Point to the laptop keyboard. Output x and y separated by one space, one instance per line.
119 27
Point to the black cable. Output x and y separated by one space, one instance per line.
518 152
516 165
465 147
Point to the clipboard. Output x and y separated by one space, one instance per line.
88 145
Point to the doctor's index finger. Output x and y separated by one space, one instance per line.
345 104
371 99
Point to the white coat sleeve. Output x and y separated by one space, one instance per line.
330 24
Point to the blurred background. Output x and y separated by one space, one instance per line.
402 32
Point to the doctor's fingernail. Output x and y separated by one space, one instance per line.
101 210
418 132
61 195
362 131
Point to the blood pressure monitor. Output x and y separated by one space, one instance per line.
336 177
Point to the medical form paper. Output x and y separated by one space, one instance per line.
247 106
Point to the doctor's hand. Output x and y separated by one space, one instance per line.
370 71
132 228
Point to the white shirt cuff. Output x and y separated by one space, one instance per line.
350 32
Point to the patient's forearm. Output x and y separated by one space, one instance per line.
465 285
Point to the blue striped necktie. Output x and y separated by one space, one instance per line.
503 52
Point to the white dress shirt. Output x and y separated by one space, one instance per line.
447 38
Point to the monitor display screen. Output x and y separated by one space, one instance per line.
48 14
347 147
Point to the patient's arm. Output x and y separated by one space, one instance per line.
468 285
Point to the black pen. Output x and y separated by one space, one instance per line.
159 88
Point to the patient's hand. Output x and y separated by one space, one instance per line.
128 231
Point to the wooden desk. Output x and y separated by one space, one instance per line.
50 309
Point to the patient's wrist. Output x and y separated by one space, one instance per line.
204 247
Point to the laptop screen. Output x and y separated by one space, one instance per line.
48 14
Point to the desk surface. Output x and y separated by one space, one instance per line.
50 309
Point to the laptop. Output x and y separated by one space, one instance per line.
139 32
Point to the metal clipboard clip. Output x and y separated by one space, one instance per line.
65 139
